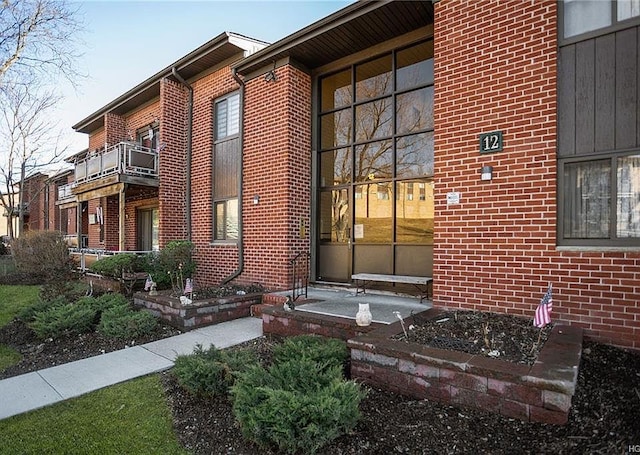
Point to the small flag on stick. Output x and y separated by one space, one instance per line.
147 284
188 287
543 312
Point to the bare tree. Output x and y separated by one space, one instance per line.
28 143
37 39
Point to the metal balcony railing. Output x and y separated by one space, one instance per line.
122 158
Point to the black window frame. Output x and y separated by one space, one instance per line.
218 199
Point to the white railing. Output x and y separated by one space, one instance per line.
84 257
122 158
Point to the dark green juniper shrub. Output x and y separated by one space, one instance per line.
66 319
295 406
124 323
28 313
313 347
211 372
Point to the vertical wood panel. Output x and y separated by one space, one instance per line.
567 101
585 96
605 93
638 86
626 88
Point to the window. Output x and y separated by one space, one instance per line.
601 201
582 16
226 167
148 137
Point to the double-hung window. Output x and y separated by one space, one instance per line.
226 167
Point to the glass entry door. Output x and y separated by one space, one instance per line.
374 166
335 244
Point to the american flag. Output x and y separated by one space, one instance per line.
188 287
147 284
543 312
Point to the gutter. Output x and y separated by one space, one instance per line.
240 268
187 188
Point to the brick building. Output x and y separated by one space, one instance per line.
361 139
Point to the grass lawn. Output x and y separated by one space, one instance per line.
12 300
131 418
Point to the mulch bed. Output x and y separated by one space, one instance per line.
603 418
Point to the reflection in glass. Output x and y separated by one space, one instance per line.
373 213
335 129
415 66
414 216
373 79
373 161
336 90
414 111
414 155
335 216
374 120
587 200
335 167
226 226
628 197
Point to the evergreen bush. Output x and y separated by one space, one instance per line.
175 258
65 319
124 323
211 372
117 265
295 406
316 348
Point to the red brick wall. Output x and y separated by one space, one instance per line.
94 229
171 193
496 249
96 139
277 167
115 128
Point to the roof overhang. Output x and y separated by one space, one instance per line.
357 27
221 48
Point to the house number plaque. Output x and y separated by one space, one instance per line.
491 142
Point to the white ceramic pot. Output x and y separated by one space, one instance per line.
363 316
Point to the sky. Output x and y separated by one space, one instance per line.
126 42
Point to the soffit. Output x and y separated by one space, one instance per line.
353 29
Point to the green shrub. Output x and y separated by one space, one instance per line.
65 319
124 323
117 265
211 372
175 258
71 290
313 347
106 301
28 313
295 406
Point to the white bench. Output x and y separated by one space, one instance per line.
423 283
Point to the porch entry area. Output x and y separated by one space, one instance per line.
373 171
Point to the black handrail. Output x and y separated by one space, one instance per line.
300 274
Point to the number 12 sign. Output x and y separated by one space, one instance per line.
491 142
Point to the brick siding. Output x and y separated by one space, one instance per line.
495 69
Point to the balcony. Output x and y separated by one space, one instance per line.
124 158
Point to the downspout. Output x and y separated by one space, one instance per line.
240 268
187 188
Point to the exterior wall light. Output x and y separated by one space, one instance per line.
256 199
486 173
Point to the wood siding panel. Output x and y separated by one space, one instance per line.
567 101
605 93
226 168
585 97
626 88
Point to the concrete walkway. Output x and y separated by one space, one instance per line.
41 388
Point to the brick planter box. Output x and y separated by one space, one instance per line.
276 321
198 314
538 393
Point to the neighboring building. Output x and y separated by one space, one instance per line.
359 139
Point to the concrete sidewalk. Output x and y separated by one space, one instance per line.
41 388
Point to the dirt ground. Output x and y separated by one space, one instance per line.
603 418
